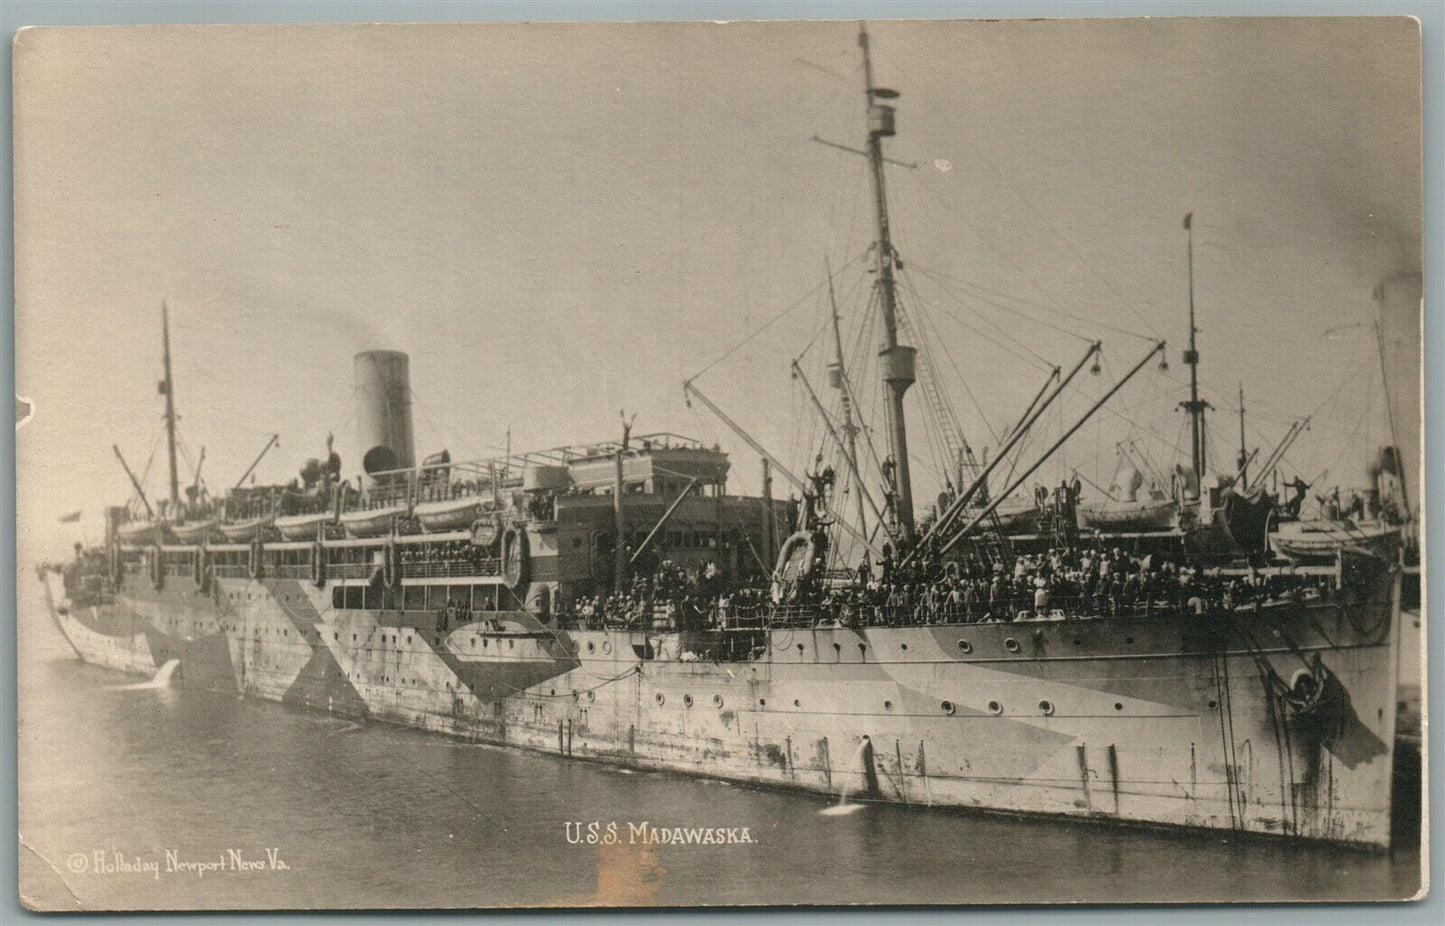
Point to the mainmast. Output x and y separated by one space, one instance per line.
1195 407
1243 461
896 360
167 388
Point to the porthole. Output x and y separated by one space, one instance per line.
903 645
762 702
1129 640
577 696
800 649
660 698
1078 642
797 703
591 696
591 647
888 705
717 700
995 708
1118 706
1213 705
965 647
606 647
1011 645
949 708
511 644
1046 707
687 700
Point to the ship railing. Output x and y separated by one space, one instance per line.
231 572
350 570
484 566
289 572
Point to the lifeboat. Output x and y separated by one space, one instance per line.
139 532
370 522
1315 541
1015 516
302 526
246 530
193 531
451 513
1138 517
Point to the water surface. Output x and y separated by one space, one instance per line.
368 815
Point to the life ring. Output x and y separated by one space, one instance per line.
389 573
515 561
254 564
318 564
158 572
485 531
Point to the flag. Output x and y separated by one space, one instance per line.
162 388
1188 217
71 518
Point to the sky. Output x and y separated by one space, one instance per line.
560 222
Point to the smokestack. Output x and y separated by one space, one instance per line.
383 411
1398 301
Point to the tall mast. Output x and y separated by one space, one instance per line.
896 360
1243 461
1195 407
837 371
168 388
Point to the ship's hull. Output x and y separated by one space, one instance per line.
1169 720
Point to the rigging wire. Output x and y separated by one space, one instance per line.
927 322
1091 322
1044 220
1038 358
769 323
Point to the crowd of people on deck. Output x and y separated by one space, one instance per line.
671 594
459 557
1059 584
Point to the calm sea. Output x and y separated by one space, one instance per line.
163 798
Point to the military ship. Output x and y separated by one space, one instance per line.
614 602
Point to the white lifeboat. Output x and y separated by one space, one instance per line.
370 522
302 526
451 514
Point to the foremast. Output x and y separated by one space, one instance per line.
1195 406
896 360
167 388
